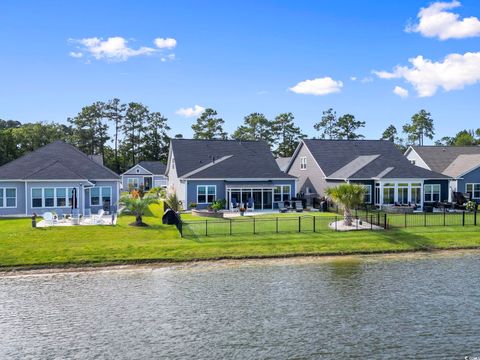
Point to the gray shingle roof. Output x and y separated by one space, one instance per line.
365 159
57 160
438 158
462 165
155 167
283 162
233 159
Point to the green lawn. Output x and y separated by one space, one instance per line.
20 245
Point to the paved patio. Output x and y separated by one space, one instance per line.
104 220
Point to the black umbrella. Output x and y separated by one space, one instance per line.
74 199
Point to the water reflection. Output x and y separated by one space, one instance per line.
410 308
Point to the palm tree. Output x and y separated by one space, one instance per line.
137 206
349 196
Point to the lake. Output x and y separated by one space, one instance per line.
379 307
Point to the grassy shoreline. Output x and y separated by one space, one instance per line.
22 247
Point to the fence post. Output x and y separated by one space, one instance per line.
405 219
336 220
371 222
378 218
230 226
425 219
463 218
253 218
475 217
299 224
276 225
314 225
206 227
444 218
385 218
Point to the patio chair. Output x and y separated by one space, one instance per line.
298 206
48 218
234 205
97 219
250 204
283 207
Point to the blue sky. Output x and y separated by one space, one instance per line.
242 57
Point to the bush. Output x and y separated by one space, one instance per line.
192 205
218 205
471 206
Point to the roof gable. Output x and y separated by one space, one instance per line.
239 159
462 165
57 160
364 159
438 158
155 167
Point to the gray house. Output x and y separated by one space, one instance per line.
241 172
460 163
147 174
389 178
51 178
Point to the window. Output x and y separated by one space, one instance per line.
37 198
49 196
432 192
403 193
8 197
95 196
367 198
106 195
416 193
388 193
303 163
206 194
60 197
132 183
281 193
474 190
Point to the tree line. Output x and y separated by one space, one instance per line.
126 133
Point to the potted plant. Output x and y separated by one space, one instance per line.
242 211
471 206
218 205
193 205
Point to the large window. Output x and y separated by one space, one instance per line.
389 193
281 193
206 194
432 192
403 193
8 197
303 163
416 193
367 198
474 190
98 193
132 183
60 197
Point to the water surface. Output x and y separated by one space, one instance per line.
422 306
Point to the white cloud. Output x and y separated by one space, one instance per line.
169 57
319 86
112 49
353 78
453 73
165 43
366 80
436 21
197 110
398 90
76 55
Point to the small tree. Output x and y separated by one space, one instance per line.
137 205
349 196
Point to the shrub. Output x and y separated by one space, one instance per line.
218 205
192 205
471 206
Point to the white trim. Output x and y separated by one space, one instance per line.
369 193
412 149
133 167
303 163
206 194
431 186
67 197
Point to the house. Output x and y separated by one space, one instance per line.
53 178
461 163
389 178
283 162
147 174
240 172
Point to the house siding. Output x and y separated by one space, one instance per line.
177 185
312 177
114 196
444 188
473 177
413 156
221 188
20 208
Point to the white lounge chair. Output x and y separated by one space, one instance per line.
250 205
48 218
98 218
